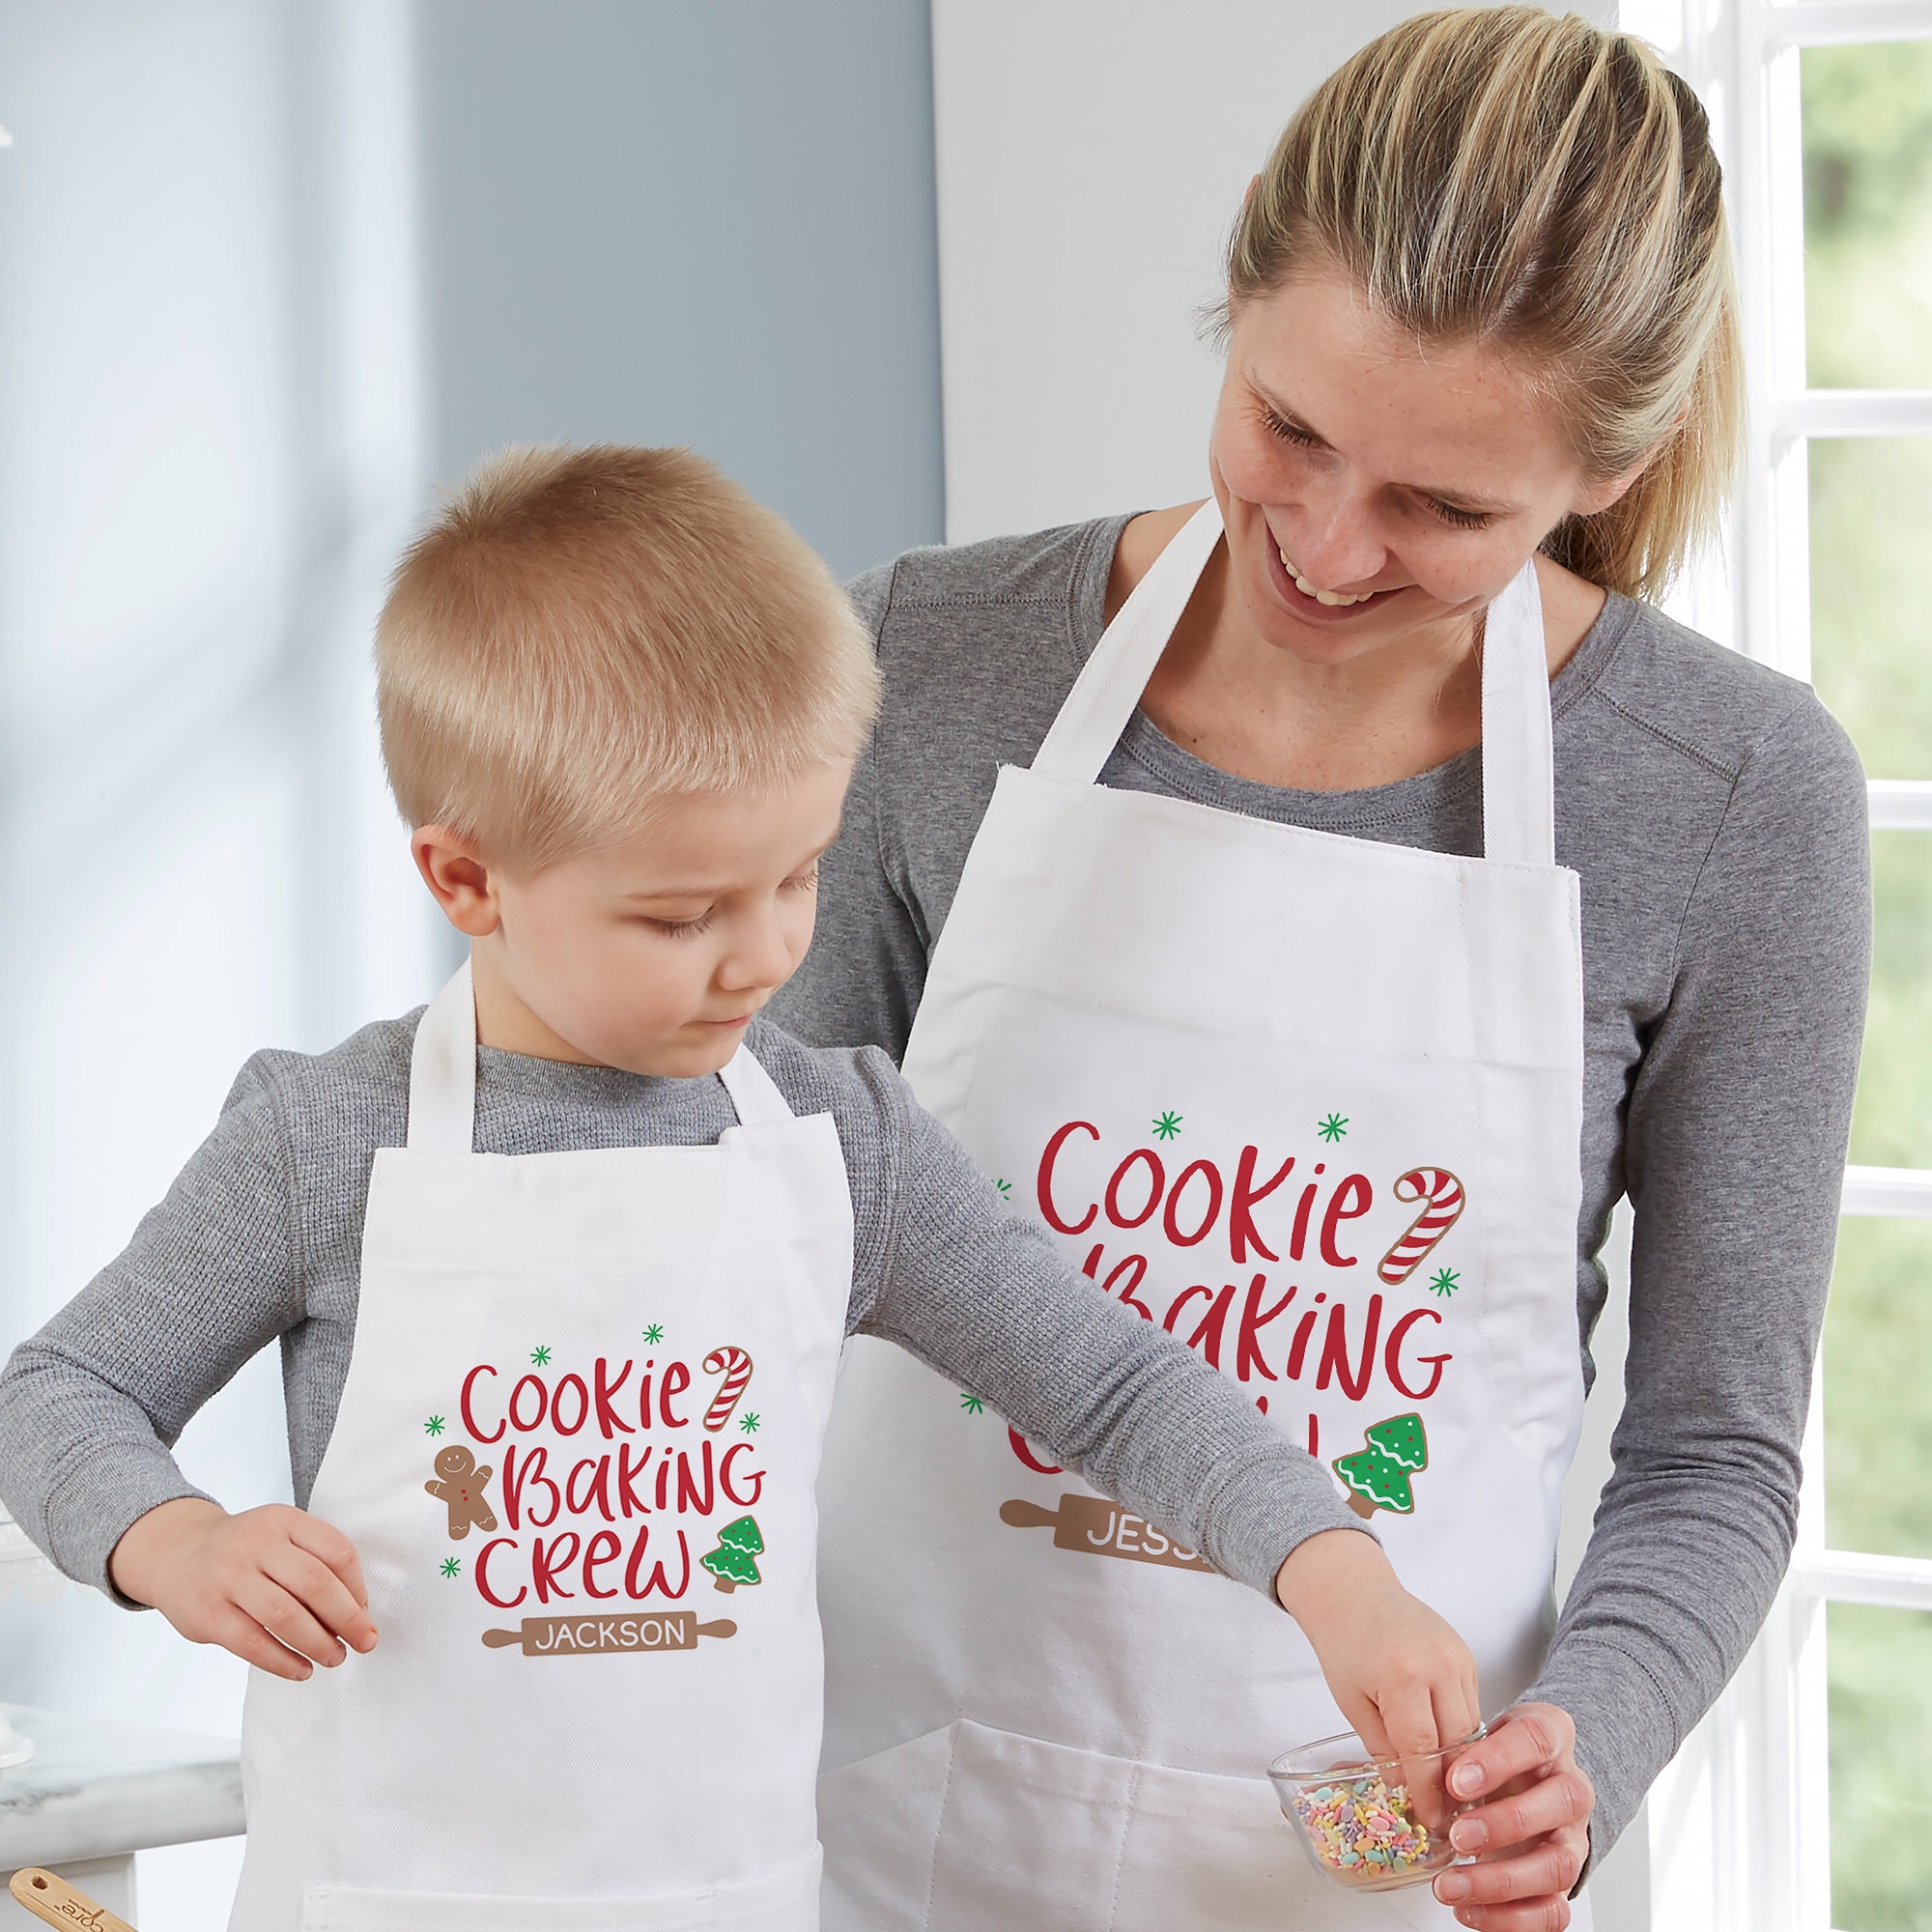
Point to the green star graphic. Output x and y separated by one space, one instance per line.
1333 1127
1445 1281
540 1356
1003 1189
434 1426
452 1566
1167 1126
655 1332
971 1404
748 1422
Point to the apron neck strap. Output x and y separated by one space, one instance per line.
754 1092
442 1076
1519 770
443 1071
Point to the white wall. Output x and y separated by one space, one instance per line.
1092 157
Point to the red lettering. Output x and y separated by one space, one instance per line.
583 1406
728 1483
1243 1233
593 1562
596 1494
1134 1268
1182 1300
1207 1336
1043 1185
1299 1348
658 1581
1335 1349
1355 1188
664 1482
470 1421
528 1472
1171 1220
547 1559
606 1416
1392 1355
628 1498
1157 1186
687 1493
483 1573
1297 1244
675 1381
1247 1350
1024 1451
543 1403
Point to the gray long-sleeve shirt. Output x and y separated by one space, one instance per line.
259 1240
1716 815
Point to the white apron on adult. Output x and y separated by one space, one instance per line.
1313 1103
576 1451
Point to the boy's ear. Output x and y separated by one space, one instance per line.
458 877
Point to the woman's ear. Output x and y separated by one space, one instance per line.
1593 498
458 879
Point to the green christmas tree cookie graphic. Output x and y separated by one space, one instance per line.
731 1562
1377 1476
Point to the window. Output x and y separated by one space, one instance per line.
1805 1801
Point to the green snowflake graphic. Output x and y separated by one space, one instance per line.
971 1404
452 1566
748 1422
1333 1127
1445 1282
1167 1126
655 1332
540 1356
434 1426
1002 1188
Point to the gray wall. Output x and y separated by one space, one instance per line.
655 221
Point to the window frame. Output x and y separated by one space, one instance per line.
1738 1836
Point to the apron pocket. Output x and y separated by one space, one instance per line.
788 1901
878 1817
1040 1837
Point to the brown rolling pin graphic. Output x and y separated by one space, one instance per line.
1102 1529
600 1636
48 1896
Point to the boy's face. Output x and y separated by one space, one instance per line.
653 954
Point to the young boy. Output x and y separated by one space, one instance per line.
560 1310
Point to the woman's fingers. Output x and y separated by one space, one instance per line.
1564 1798
1534 1915
1530 1736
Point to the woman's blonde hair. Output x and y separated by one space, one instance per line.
584 633
1506 174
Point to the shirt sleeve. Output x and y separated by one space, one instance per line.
1734 1154
861 982
92 1406
976 1290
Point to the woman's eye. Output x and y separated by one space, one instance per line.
1462 519
1287 431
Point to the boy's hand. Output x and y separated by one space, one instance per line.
1531 1833
1402 1677
276 1585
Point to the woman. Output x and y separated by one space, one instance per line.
1436 892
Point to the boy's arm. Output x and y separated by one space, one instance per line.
91 1406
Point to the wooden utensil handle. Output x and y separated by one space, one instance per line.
48 1896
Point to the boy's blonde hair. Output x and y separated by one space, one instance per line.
584 633
1503 173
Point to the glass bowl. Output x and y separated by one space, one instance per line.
1374 1824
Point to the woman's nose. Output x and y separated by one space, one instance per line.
1334 544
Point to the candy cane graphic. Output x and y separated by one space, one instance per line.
735 1366
1444 1193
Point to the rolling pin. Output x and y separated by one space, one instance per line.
48 1896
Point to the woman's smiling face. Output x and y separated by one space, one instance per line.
1353 460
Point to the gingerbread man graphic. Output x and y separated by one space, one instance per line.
461 1487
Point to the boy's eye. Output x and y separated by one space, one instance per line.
682 929
805 881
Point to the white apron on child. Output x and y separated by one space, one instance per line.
576 1451
1313 1103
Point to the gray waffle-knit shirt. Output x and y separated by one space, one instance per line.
259 1240
1716 815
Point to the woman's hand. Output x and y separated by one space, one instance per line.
281 1589
1531 1830
1404 1679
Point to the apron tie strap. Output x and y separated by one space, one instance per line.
754 1092
443 1071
